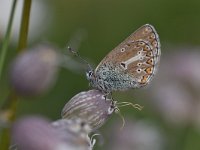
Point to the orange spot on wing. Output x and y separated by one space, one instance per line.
149 70
144 79
149 54
150 61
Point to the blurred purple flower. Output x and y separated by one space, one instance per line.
175 92
74 132
138 135
35 133
33 72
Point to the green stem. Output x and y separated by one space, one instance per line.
182 138
13 100
7 37
9 117
24 25
4 140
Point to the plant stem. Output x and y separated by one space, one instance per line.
11 103
7 115
24 25
7 37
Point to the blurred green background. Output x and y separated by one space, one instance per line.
95 27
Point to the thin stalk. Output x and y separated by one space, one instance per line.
13 100
10 114
6 40
23 36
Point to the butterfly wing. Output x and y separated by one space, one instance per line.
137 57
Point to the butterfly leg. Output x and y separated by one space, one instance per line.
108 96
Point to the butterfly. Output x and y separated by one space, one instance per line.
132 64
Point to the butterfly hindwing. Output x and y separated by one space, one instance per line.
136 58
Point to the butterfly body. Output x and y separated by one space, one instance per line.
110 78
132 64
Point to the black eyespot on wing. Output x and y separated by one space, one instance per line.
123 65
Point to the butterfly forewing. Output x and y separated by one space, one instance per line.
137 56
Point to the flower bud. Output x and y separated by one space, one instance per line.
74 133
91 106
33 72
136 135
35 133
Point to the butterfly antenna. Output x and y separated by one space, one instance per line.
121 116
77 55
122 104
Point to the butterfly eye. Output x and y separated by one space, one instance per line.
89 74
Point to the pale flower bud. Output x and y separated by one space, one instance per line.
34 71
91 106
